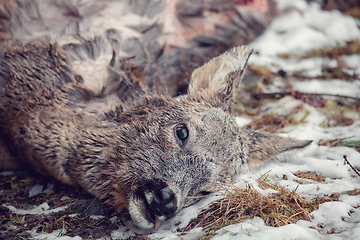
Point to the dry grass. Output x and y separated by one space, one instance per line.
353 192
317 177
351 47
73 221
263 73
355 12
343 142
336 53
269 123
238 205
275 123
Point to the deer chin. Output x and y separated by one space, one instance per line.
142 215
139 213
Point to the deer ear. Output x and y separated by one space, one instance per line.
217 81
263 146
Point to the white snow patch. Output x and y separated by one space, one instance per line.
334 87
256 229
352 63
44 208
96 217
38 189
57 234
306 28
242 121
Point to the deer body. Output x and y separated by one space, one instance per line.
148 157
131 146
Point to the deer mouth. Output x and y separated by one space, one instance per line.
149 206
142 215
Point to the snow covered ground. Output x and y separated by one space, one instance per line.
298 31
301 28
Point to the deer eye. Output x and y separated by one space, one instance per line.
181 132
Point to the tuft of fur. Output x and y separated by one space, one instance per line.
92 106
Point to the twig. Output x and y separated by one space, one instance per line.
297 94
351 166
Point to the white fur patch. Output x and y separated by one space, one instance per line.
137 215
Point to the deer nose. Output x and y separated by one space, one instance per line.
161 199
164 203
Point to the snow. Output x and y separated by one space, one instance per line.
256 229
335 87
300 28
43 208
57 234
305 28
37 189
352 62
242 121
